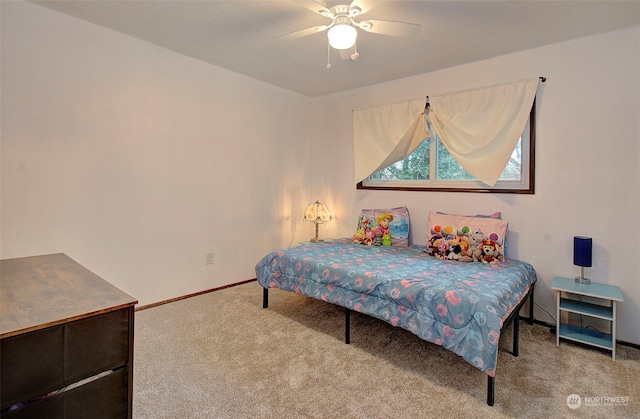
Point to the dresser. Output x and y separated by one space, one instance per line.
66 341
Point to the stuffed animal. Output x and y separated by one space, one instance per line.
382 228
432 246
475 245
455 252
369 237
489 251
364 234
464 250
442 251
499 252
455 249
464 231
364 226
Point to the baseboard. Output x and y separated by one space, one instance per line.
552 327
195 294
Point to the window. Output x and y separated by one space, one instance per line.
431 168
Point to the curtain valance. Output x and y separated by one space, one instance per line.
386 134
480 128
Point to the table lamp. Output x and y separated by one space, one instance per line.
317 213
582 247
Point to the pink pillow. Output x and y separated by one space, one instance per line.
466 238
495 215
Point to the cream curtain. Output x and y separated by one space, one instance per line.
481 128
386 134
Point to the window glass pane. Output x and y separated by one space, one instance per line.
414 167
513 171
449 169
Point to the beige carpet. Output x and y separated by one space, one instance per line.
221 355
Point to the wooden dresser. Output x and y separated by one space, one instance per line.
66 341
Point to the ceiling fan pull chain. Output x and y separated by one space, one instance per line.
328 55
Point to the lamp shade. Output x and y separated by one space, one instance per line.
342 36
582 250
317 213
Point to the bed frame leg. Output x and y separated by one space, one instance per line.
531 305
491 389
516 335
265 297
347 326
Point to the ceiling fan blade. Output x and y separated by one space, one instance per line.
363 5
387 27
303 32
317 6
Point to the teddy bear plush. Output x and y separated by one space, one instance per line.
475 243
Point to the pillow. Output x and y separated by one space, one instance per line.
383 227
466 238
496 215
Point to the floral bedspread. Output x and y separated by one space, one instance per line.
460 306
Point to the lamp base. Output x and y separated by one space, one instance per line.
316 240
583 280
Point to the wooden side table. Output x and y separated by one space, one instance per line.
608 293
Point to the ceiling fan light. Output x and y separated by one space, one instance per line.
342 36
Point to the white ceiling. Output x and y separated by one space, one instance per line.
242 36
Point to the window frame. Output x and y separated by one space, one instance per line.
464 185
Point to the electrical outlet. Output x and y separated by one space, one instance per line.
209 256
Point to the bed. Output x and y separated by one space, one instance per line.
461 306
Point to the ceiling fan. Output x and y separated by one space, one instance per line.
342 30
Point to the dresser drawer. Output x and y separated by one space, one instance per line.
96 344
103 398
31 364
48 408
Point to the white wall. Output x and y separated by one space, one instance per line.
587 154
136 161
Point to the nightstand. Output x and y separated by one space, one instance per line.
607 293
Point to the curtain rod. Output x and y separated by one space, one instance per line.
426 106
